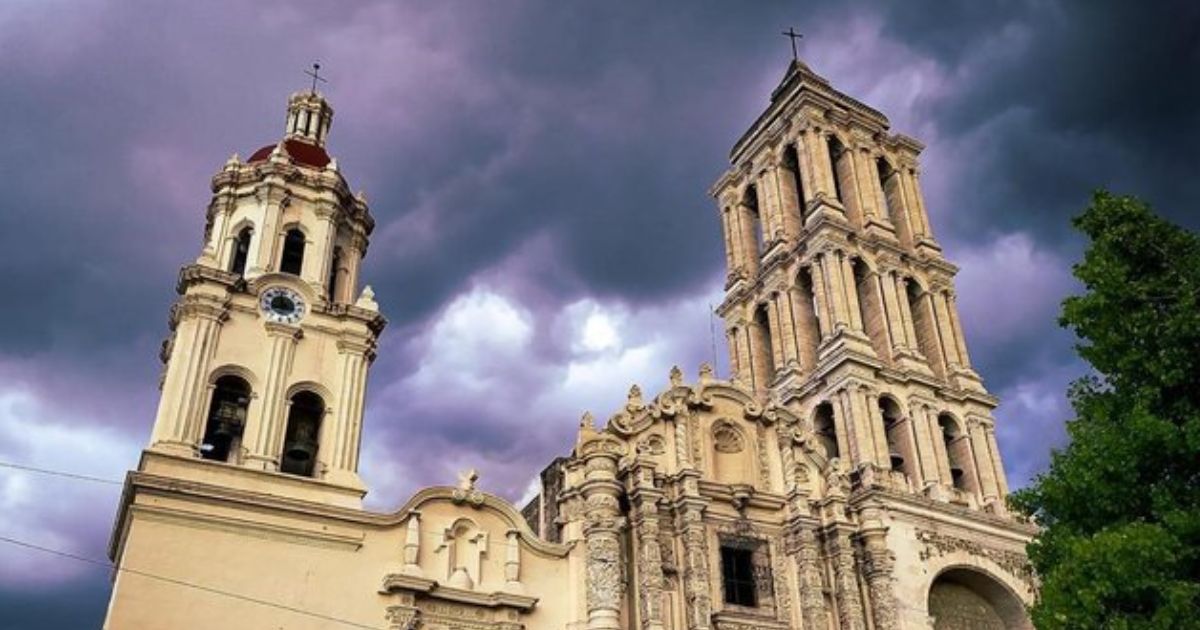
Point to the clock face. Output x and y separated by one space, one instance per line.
281 304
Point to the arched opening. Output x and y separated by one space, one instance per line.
333 274
241 251
226 419
764 350
808 319
893 199
730 464
791 164
837 163
826 430
958 453
750 200
897 428
305 411
292 260
925 326
967 599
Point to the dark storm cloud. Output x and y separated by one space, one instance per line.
540 167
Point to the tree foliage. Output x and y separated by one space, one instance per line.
1119 506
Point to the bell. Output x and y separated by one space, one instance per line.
228 420
300 451
897 460
956 473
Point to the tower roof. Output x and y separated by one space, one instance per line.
300 152
309 118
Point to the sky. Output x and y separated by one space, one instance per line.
538 172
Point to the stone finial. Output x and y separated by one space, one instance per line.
366 299
635 395
676 376
279 154
706 372
233 162
587 422
361 197
467 479
332 165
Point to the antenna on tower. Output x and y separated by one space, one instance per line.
712 334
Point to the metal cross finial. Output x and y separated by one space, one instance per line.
793 35
315 73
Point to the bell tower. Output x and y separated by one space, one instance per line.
271 338
838 301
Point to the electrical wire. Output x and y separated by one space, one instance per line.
185 583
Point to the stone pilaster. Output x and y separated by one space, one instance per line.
840 551
877 564
264 438
697 577
984 463
180 419
644 498
806 553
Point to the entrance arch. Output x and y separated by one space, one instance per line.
962 598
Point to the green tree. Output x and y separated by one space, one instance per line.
1119 506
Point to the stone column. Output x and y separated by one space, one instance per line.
808 569
769 204
353 255
273 199
932 348
644 502
997 465
851 289
775 330
925 436
805 323
818 151
353 359
733 254
831 277
321 256
866 181
781 302
861 420
843 423
841 554
789 202
878 563
821 298
895 317
946 338
736 365
748 239
697 578
906 316
919 198
984 466
270 426
602 531
959 340
181 407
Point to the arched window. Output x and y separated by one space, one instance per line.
925 326
964 597
226 419
826 429
760 229
837 166
808 319
958 452
333 273
765 364
241 251
292 260
303 429
791 164
899 437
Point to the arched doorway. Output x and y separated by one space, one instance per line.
966 599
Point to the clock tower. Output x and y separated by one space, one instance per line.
271 339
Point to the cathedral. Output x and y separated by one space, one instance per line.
846 476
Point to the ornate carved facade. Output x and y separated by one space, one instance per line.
845 477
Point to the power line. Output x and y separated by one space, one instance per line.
184 583
59 473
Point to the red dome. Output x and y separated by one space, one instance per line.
301 152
